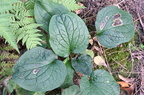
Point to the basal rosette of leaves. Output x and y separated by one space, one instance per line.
114 26
42 70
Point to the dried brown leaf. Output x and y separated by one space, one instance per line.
126 79
98 60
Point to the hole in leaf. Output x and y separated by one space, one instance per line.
117 22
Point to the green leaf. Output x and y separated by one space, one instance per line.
70 4
39 93
38 70
70 74
89 52
82 64
100 83
8 35
114 26
68 33
21 91
11 85
44 10
72 90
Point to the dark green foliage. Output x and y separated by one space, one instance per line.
17 23
44 10
39 70
68 34
114 26
82 64
70 4
7 60
72 90
100 83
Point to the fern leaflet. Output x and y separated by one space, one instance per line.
70 4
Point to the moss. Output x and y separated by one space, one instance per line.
119 61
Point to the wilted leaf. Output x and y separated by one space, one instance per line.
91 41
126 86
126 79
98 60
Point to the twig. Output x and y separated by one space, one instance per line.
132 59
120 64
108 66
121 2
116 52
139 18
139 15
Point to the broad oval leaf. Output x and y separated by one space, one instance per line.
114 26
38 70
68 33
72 90
101 83
82 64
44 10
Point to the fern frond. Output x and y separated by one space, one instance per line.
7 59
30 4
6 48
6 21
70 4
6 68
27 30
9 36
